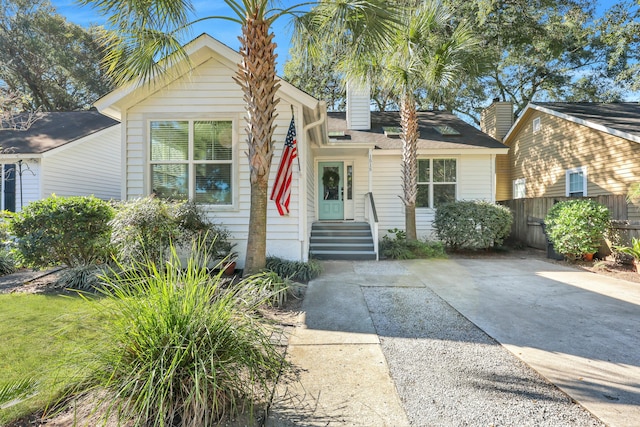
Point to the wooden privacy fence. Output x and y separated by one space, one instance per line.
528 215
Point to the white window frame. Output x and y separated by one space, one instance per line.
192 163
519 188
536 125
568 173
431 184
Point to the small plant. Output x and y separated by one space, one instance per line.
577 227
8 263
295 270
63 230
276 288
398 247
185 347
472 225
16 390
81 277
633 251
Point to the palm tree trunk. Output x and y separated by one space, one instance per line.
257 77
409 136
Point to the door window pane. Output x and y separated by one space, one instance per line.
331 182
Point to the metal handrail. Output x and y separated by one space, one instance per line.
372 219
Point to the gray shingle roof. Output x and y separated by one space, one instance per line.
52 130
469 137
621 116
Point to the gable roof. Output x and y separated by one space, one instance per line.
621 119
52 130
198 50
430 138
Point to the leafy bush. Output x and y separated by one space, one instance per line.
146 228
183 349
472 225
63 230
577 227
398 247
294 270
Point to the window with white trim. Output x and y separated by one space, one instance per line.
519 188
536 125
192 159
437 182
576 182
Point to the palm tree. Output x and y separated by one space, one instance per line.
145 30
424 53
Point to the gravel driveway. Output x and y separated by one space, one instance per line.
450 373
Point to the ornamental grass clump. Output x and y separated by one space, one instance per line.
186 347
577 227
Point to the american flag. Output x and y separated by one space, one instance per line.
281 192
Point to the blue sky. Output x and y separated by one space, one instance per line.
225 31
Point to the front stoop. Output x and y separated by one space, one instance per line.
341 241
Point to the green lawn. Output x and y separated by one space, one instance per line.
44 337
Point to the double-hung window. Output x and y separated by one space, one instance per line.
436 182
519 188
576 182
192 159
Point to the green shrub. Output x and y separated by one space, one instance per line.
294 270
577 227
63 230
472 225
398 247
145 229
185 347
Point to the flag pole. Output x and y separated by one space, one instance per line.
298 157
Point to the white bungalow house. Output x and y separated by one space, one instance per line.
64 153
185 138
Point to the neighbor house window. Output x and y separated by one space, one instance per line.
436 182
192 159
8 187
519 188
576 180
536 125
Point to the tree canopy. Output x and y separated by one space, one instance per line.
51 63
545 50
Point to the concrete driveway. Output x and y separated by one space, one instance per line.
579 330
383 343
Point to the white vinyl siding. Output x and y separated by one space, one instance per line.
210 93
475 182
89 167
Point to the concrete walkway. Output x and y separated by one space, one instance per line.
579 330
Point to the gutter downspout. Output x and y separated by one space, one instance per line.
302 224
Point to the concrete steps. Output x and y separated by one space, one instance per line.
341 241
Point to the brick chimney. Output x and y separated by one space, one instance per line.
358 106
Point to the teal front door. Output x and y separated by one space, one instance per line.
331 190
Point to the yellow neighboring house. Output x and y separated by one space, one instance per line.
559 149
